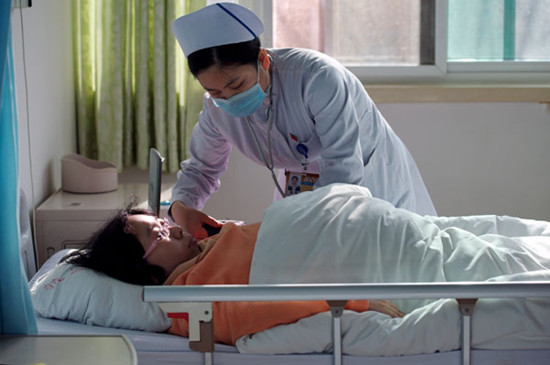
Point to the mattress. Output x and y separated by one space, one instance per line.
162 348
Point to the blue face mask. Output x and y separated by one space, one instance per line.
245 103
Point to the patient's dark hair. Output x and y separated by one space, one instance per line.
117 253
236 54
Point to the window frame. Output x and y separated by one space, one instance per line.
443 71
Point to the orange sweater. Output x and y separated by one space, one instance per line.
226 259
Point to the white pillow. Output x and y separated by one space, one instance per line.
79 294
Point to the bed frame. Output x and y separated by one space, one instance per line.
198 302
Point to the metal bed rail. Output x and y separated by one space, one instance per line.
197 302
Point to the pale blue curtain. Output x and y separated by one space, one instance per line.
481 30
16 311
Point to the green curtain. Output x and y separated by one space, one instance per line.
133 87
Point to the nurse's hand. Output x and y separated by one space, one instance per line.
386 307
192 220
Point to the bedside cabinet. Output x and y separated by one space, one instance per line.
73 349
66 220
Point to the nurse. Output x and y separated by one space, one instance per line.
296 110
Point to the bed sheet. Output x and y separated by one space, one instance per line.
164 349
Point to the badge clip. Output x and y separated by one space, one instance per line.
303 150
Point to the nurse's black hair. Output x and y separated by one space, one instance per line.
117 253
236 54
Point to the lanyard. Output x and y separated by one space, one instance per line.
269 164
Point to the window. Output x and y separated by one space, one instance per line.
343 29
498 35
496 30
400 40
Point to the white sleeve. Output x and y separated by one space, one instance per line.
199 175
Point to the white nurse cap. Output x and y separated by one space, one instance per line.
215 25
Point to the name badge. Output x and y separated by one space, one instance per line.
297 182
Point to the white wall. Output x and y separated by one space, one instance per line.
477 158
480 158
45 97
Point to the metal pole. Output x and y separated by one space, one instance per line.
336 310
207 358
466 307
228 293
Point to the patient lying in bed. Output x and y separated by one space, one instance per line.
335 234
139 248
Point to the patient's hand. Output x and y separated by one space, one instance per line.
386 307
192 220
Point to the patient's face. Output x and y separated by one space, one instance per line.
172 246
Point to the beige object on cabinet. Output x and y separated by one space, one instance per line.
83 175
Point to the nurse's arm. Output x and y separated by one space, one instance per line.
209 154
192 220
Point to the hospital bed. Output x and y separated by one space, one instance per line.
58 308
163 348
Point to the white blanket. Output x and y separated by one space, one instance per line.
341 234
